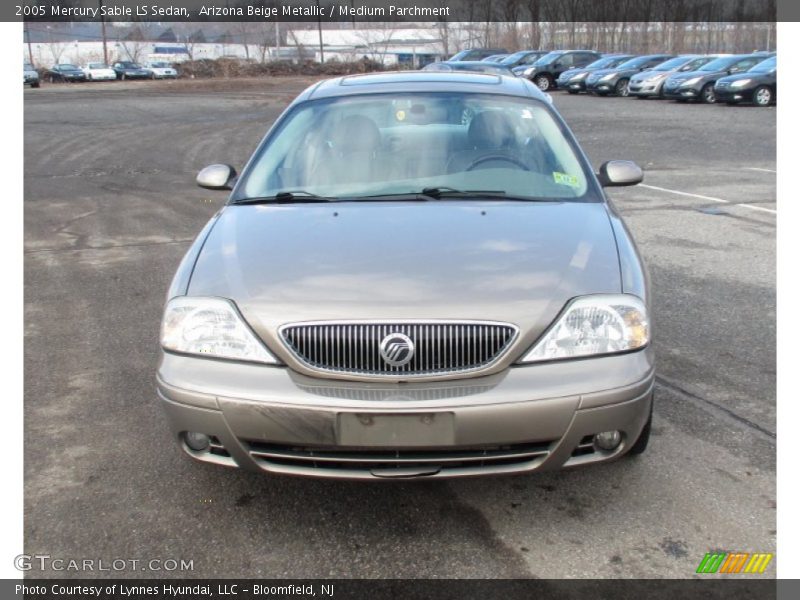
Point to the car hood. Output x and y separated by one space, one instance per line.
743 75
648 74
690 74
516 262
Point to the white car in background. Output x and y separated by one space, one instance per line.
161 70
99 71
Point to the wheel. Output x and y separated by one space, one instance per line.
762 96
621 89
641 443
707 94
35 84
543 82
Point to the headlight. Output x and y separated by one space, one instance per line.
741 82
608 77
580 76
691 81
654 78
594 325
210 327
528 71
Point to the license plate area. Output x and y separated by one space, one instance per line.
396 430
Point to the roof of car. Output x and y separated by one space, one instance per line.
423 81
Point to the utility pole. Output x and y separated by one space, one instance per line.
28 37
319 27
277 40
103 28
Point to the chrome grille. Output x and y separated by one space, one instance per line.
440 347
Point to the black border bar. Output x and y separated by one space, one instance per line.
415 11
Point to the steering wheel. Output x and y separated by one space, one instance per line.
501 157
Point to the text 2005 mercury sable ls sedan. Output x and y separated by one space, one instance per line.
416 275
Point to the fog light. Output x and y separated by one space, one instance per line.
607 440
196 441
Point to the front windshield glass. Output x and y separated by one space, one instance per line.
159 65
634 63
66 66
513 59
765 66
547 59
672 63
98 66
384 145
720 64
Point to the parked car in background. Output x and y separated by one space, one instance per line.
758 85
30 76
650 84
614 82
545 71
519 61
477 66
65 72
160 69
515 332
98 71
130 70
495 58
476 54
574 80
699 84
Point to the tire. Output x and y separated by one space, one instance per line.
621 89
762 96
123 77
640 445
543 82
35 84
708 95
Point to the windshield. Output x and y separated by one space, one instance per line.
672 63
634 63
518 57
547 59
97 66
159 65
720 64
606 62
765 66
389 145
66 66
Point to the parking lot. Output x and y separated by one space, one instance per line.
110 208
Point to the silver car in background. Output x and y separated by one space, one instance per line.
417 275
30 76
650 83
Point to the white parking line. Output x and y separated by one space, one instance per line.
761 170
711 198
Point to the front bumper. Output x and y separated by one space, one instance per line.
734 94
601 87
638 88
685 93
531 418
576 86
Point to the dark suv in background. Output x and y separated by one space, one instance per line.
758 85
615 81
549 68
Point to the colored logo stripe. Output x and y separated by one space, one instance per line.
734 562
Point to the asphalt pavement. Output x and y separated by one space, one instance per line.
110 207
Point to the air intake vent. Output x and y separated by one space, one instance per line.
399 349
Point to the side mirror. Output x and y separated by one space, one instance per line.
217 177
620 172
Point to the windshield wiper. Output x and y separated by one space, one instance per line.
448 192
294 197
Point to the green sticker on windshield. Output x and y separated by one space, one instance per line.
566 179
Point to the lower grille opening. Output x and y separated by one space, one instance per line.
360 459
216 448
585 446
